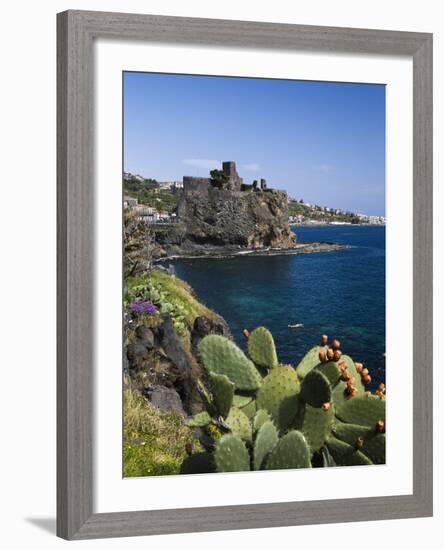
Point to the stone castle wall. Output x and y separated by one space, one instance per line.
220 213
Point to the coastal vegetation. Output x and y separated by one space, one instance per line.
194 401
226 410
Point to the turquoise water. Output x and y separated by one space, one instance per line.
341 294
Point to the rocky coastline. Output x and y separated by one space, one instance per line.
195 251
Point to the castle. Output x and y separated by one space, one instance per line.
226 179
222 210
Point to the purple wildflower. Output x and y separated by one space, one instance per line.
140 307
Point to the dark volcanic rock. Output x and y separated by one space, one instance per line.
182 364
145 336
203 326
172 344
165 399
136 353
221 217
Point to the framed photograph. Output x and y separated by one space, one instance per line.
244 275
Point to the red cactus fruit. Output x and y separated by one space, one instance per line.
351 394
345 376
324 340
336 344
330 354
342 366
366 379
326 406
350 391
359 367
337 355
322 357
364 372
359 443
246 333
380 427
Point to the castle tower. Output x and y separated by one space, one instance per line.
229 169
234 181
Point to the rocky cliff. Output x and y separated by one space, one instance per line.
249 219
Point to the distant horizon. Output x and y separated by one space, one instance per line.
321 142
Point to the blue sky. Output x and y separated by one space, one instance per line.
320 141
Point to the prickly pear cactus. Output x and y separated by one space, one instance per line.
327 459
340 391
247 404
266 439
372 443
331 371
221 356
363 411
315 389
291 451
223 391
261 348
200 420
321 410
241 401
260 418
346 455
316 424
239 424
231 454
278 395
309 361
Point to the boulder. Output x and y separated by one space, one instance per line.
165 399
203 326
136 353
145 336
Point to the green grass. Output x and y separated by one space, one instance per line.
180 292
154 442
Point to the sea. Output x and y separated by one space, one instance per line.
341 294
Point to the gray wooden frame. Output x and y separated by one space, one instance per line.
76 32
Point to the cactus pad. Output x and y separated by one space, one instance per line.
315 389
291 451
241 400
239 424
278 395
346 455
246 403
200 420
363 411
249 409
223 390
309 361
260 418
327 459
266 439
373 442
331 371
221 356
261 348
316 426
231 455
